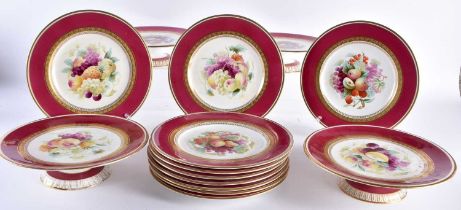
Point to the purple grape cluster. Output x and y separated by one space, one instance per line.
224 63
338 77
91 59
79 136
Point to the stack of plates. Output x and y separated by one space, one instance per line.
219 155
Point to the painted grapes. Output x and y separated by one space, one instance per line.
91 72
227 72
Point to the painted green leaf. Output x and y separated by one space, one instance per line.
69 62
209 92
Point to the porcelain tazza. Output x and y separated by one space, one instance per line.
377 160
73 149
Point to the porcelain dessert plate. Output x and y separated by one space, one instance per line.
359 73
215 173
210 175
160 41
221 140
73 149
219 154
226 63
89 62
378 163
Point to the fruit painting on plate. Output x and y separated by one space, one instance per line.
76 145
91 72
373 158
227 72
358 79
222 143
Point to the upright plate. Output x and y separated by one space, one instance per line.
89 62
360 73
226 63
379 156
77 141
160 36
221 140
293 42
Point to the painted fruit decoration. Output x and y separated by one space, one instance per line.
222 143
358 79
227 72
76 145
373 158
91 75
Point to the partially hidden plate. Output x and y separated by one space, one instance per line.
226 63
221 140
89 62
160 36
73 149
293 42
359 73
160 41
378 163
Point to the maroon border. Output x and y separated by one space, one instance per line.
444 165
363 29
226 23
9 146
77 176
81 19
160 139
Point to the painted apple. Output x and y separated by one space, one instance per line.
361 84
353 74
348 83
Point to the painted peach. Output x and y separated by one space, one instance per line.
217 143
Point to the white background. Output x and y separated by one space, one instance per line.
432 29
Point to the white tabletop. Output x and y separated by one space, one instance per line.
433 30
